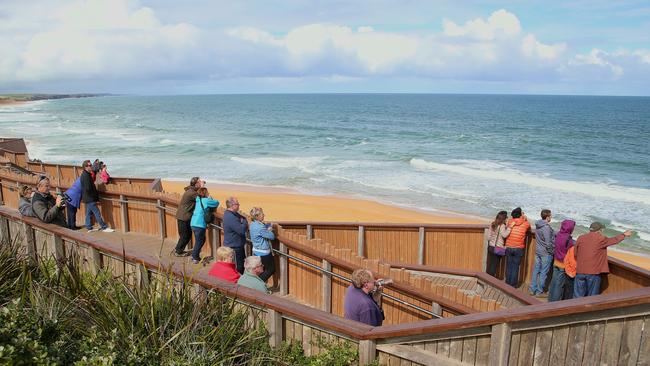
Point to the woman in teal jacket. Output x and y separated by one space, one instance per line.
203 203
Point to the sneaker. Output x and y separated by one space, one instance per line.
108 230
196 261
181 254
92 230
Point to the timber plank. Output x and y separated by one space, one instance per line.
594 341
515 340
559 346
612 341
482 350
527 348
543 347
644 348
469 350
630 341
444 347
575 349
456 349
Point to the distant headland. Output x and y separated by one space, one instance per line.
19 98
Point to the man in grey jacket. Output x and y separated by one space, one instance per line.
47 208
544 249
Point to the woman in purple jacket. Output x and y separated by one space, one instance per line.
561 287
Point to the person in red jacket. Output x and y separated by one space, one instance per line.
225 268
591 259
518 228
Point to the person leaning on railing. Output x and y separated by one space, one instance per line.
518 228
363 299
90 197
261 235
47 208
25 204
204 205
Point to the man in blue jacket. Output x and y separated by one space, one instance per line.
234 231
73 202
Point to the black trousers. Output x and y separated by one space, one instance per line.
184 235
493 261
240 256
269 267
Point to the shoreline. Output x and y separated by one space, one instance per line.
287 204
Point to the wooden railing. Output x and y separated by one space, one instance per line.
606 329
451 246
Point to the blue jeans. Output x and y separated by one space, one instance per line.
558 283
540 272
513 260
199 240
586 285
91 207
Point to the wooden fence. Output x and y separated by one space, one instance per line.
609 329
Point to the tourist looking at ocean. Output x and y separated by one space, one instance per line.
591 257
235 227
204 205
261 235
561 287
47 208
25 201
184 215
496 246
518 228
363 298
224 267
73 201
544 250
253 267
90 197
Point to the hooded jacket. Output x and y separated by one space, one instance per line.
45 208
518 229
563 239
544 237
186 206
25 207
73 194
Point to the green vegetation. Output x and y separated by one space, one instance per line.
52 314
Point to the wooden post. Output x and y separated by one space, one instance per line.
161 219
499 345
486 235
30 241
367 351
124 209
96 260
59 249
74 171
5 237
274 327
436 308
213 242
58 175
284 271
361 242
310 232
42 167
2 199
327 287
421 246
142 276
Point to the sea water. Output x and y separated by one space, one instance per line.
585 158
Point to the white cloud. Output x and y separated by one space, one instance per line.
500 23
599 59
531 47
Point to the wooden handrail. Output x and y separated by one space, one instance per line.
315 224
494 282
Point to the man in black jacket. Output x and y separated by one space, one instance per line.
90 197
184 215
234 231
47 208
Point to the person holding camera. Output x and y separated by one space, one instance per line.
45 207
363 298
90 197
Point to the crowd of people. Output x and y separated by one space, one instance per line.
577 265
61 208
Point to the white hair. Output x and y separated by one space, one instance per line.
252 262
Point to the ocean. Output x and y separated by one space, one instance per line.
585 158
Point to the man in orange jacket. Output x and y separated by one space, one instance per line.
518 227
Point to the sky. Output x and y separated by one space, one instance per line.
579 47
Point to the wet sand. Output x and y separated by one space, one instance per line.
289 205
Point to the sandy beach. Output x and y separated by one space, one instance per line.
288 205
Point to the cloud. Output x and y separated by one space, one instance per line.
121 42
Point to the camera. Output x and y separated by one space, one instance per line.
383 282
